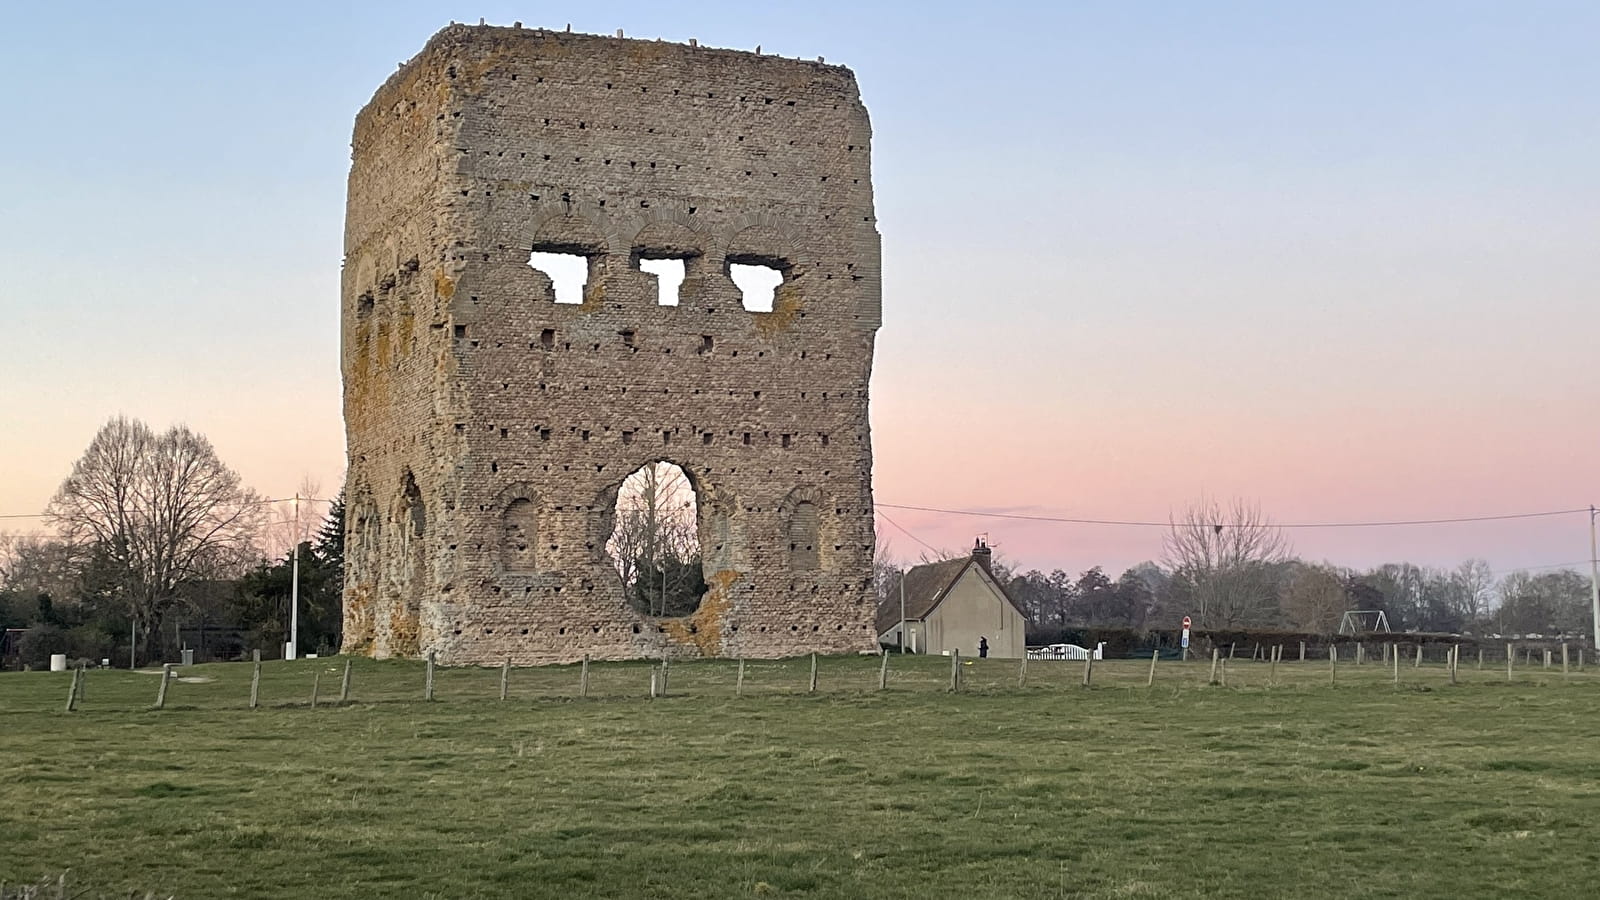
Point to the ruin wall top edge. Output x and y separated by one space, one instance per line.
458 38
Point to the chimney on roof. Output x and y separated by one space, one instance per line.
981 554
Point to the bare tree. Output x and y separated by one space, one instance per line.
161 510
1314 598
655 544
1229 556
285 528
1475 580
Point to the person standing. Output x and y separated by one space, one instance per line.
983 647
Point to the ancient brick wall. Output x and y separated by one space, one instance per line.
490 427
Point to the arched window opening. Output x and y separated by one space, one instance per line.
758 280
669 273
568 273
655 542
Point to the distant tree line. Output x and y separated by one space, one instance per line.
1228 567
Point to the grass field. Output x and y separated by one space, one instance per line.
1355 789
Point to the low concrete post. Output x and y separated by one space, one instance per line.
255 679
161 693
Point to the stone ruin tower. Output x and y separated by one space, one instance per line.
490 426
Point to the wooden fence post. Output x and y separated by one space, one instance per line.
738 686
1214 655
583 677
1333 663
1396 655
1272 673
666 671
72 689
161 693
505 678
955 671
1224 672
1149 682
1418 663
1547 658
1022 670
1255 654
1231 648
427 684
1450 661
813 688
1088 667
1361 648
1564 671
1511 657
344 684
1480 658
883 670
653 687
255 679
1302 651
316 683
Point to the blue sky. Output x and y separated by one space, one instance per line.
1335 257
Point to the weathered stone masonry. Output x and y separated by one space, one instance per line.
490 427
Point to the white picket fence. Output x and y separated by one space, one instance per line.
1067 651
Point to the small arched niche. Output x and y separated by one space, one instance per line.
519 535
654 544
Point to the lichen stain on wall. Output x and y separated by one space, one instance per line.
702 629
786 307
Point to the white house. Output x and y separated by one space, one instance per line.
950 605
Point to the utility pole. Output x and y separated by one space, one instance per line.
293 649
1594 581
903 612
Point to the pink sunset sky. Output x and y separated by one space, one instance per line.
1342 264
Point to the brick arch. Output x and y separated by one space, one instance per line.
801 516
763 234
670 219
578 223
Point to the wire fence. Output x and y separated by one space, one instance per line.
335 682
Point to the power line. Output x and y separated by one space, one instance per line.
906 532
1142 524
251 503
